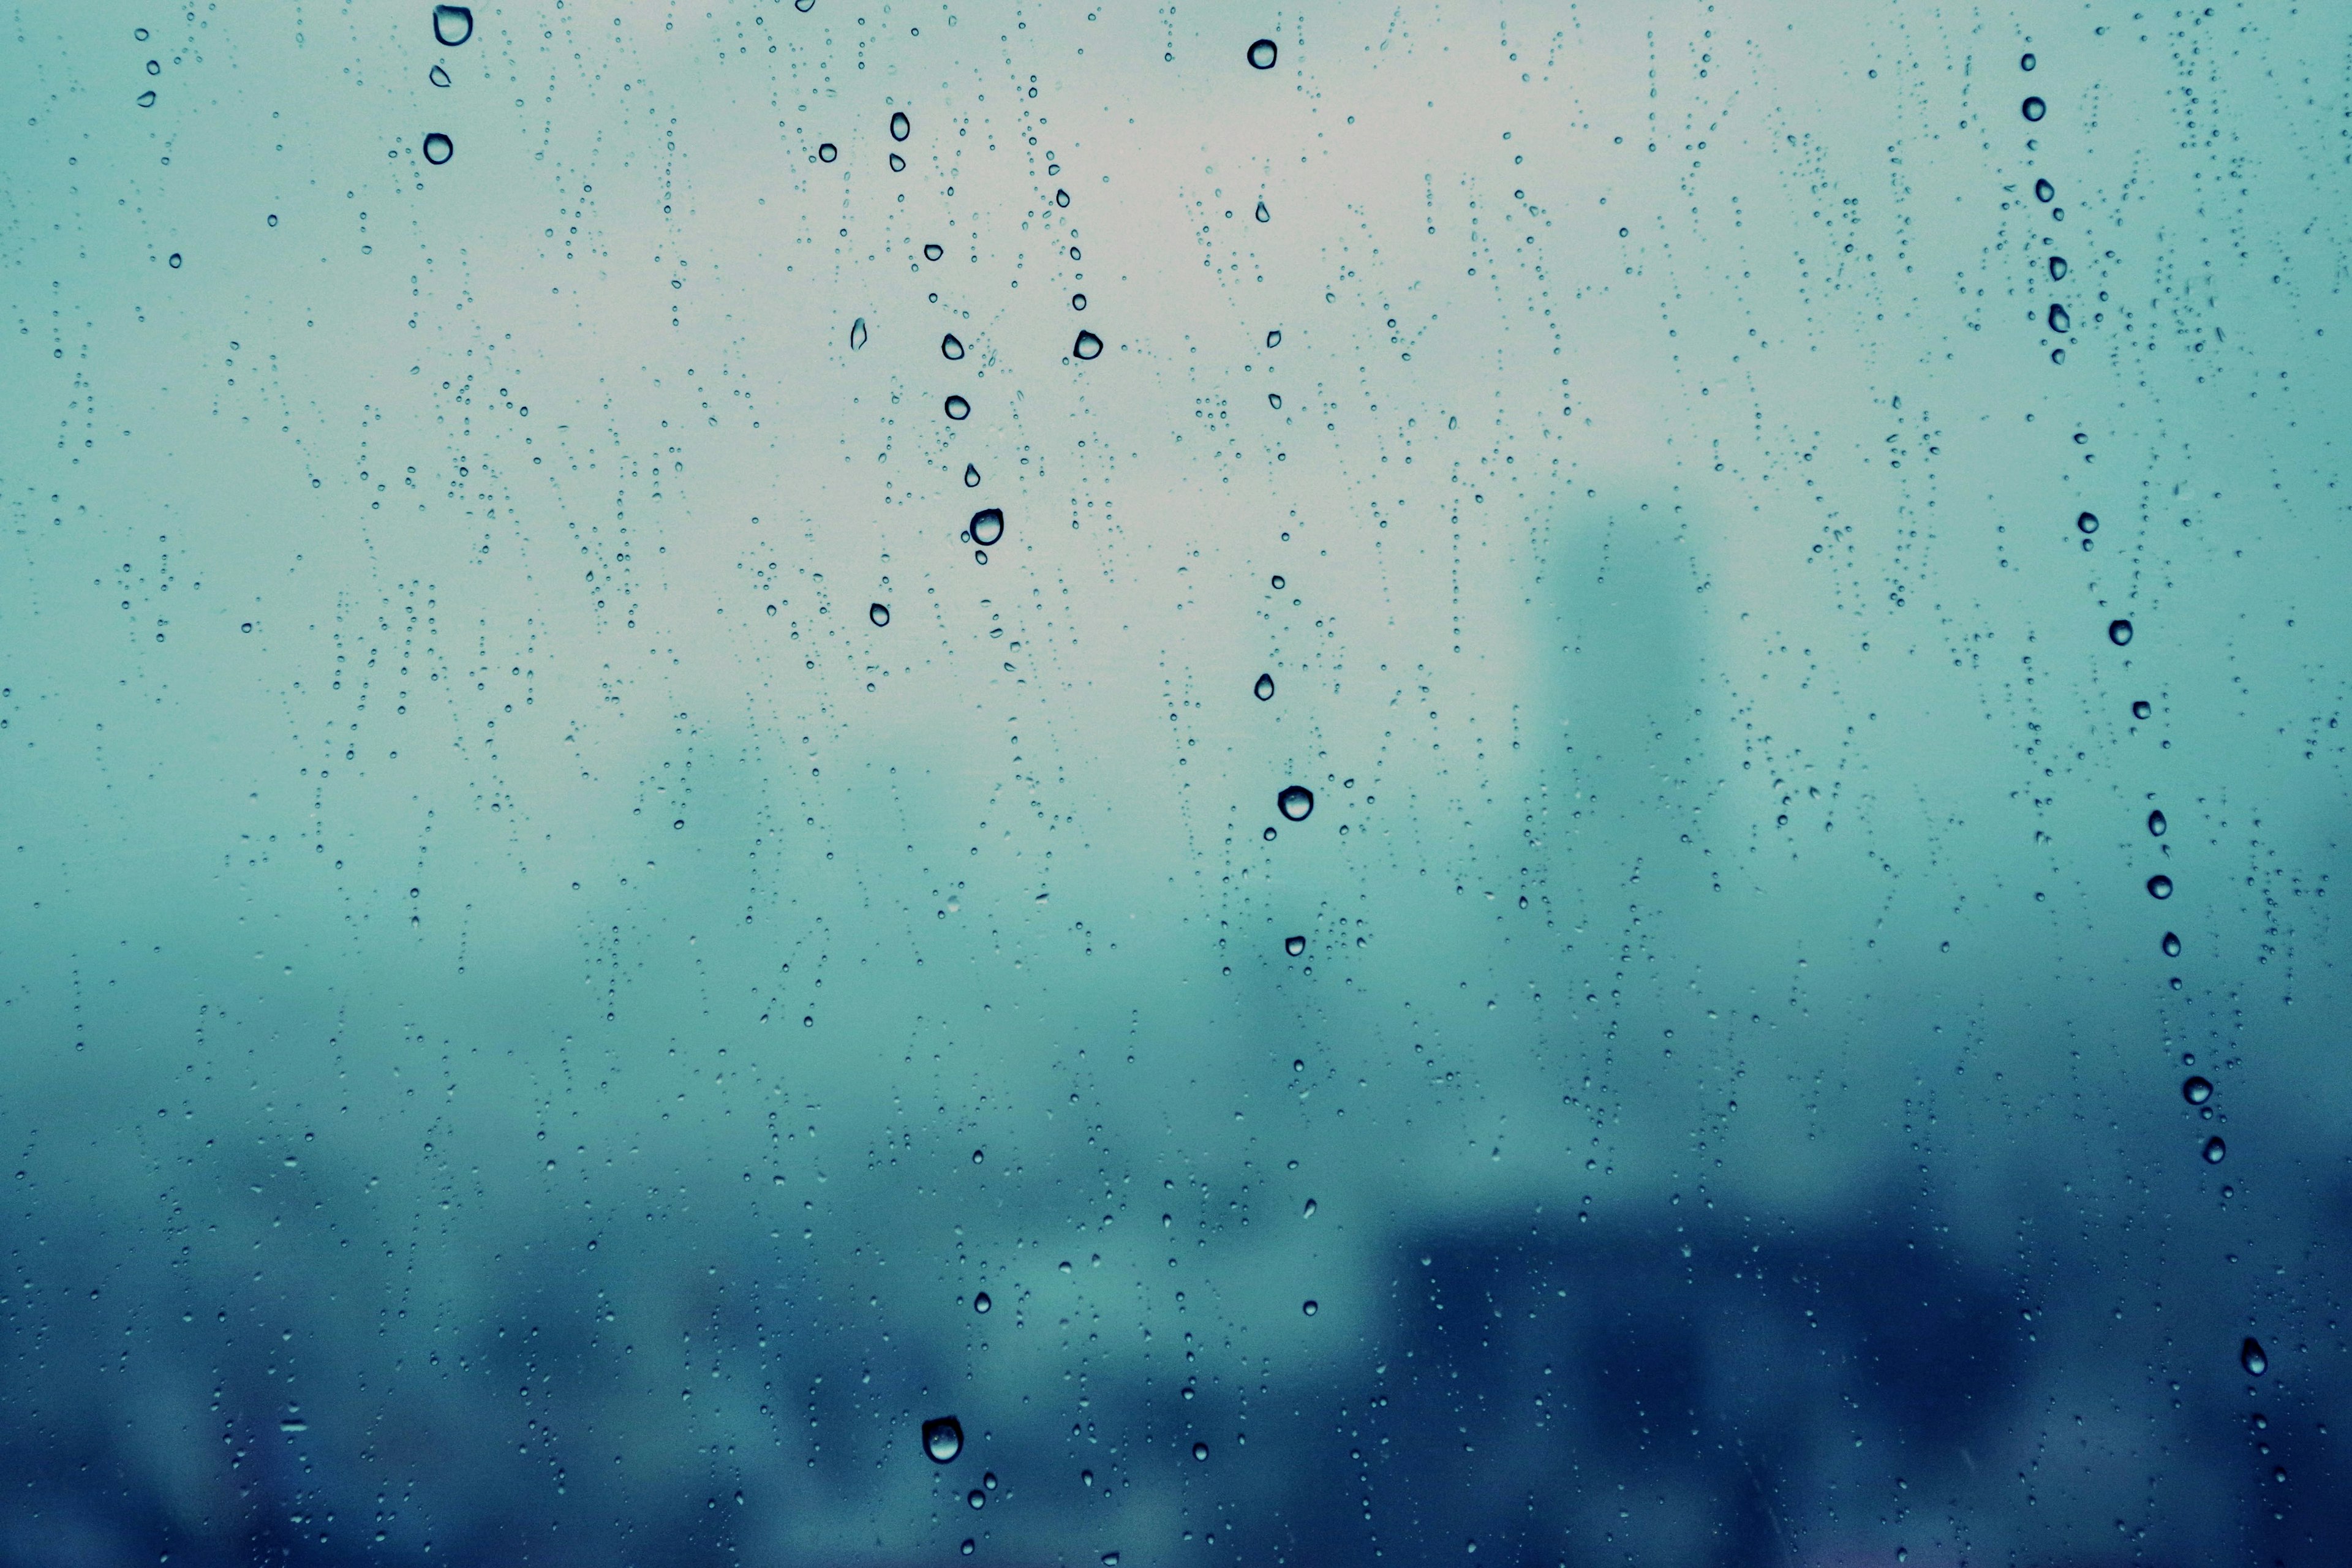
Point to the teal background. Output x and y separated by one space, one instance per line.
529 1019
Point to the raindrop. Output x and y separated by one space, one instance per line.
2060 321
1264 215
968 1542
1087 346
981 1303
1278 582
857 334
2171 945
980 557
2155 824
956 406
1273 400
453 25
1308 1308
900 127
1200 1451
1274 339
2044 191
2025 62
147 99
980 1156
970 476
932 253
988 525
175 258
1263 689
1269 836
827 152
2196 1089
437 77
951 347
1296 801
2088 522
437 148
898 164
1061 198
1262 53
154 67
2159 886
879 613
1077 301
2033 109
1294 945
977 1498
804 6
2057 268
2251 1356
942 1438
2141 710
2215 1152
1309 1212
2120 632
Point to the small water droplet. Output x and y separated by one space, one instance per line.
1061 198
147 99
2140 710
2044 191
1262 54
2171 944
900 127
1294 945
2060 320
968 1542
1296 802
1264 215
1200 1451
988 1479
438 148
932 252
956 406
942 1438
2025 62
2156 823
1263 688
879 613
857 334
437 77
827 152
2250 1357
2057 268
2120 632
898 164
1273 400
2088 522
2033 109
2159 886
980 1156
1309 1212
2196 1089
1308 1307
970 477
453 25
988 525
175 258
293 1424
1274 339
977 1498
2215 1150
951 347
1087 346
981 1303
1077 301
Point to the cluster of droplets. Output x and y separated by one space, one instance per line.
452 26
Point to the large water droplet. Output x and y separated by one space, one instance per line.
1263 688
2060 321
2250 1357
1294 945
988 525
1308 1307
970 477
942 1438
147 99
2159 886
1274 339
2171 944
175 258
2033 109
1273 400
1200 1451
827 152
899 126
2156 823
857 334
1262 54
932 252
2196 1089
438 148
1061 198
879 613
2215 1150
1087 346
898 164
2141 710
1277 582
2044 191
1077 301
1264 215
2088 522
453 25
1308 1212
2025 62
2120 632
1296 801
957 409
981 1303
2057 268
437 77
977 1498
